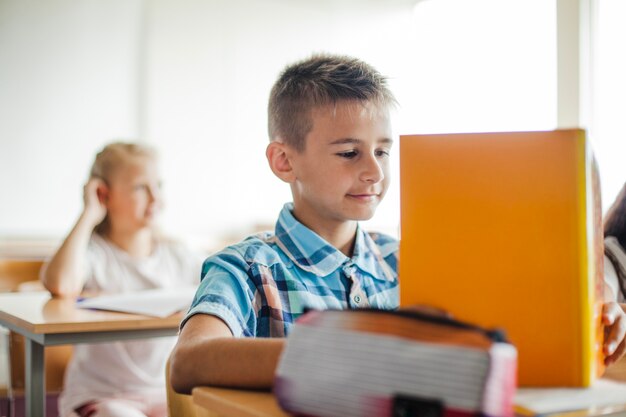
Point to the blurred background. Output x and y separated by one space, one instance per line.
192 78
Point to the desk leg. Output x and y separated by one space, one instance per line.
35 381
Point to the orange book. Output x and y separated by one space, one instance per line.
504 230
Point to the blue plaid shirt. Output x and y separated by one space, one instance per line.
260 286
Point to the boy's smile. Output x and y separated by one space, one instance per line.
343 172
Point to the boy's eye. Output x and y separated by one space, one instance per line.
348 154
382 152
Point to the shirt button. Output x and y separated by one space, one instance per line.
357 299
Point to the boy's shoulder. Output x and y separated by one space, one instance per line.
382 239
266 249
259 248
387 245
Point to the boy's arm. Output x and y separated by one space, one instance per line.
207 354
63 275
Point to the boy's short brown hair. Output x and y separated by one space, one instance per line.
318 81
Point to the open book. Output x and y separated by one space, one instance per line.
161 302
604 396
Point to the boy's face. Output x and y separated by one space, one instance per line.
343 173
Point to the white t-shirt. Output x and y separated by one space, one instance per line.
105 370
611 278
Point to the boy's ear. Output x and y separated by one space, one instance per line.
278 156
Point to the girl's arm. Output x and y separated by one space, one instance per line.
63 275
208 354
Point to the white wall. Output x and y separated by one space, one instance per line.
212 65
193 78
609 97
68 83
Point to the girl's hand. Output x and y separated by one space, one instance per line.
93 197
614 318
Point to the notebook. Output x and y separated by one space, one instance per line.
605 397
159 302
504 230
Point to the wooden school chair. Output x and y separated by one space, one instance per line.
23 275
178 405
14 273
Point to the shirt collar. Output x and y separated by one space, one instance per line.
310 252
368 257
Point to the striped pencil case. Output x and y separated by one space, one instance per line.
394 363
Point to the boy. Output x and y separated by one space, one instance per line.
330 138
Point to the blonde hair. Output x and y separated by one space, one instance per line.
110 159
117 154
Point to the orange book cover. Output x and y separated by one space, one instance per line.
504 230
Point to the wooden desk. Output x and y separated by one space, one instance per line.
47 321
225 402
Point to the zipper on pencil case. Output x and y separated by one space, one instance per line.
495 335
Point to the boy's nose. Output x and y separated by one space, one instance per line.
373 170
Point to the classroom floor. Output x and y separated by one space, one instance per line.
19 410
16 407
4 357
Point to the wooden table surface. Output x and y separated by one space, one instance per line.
224 402
47 321
40 313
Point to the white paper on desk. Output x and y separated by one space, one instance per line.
160 302
603 393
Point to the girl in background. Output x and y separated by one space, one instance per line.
615 280
114 248
614 244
